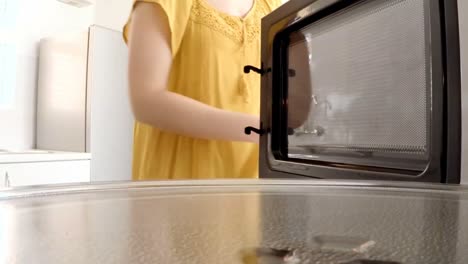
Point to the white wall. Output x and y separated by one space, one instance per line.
36 19
111 120
112 13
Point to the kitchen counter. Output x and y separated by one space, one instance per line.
40 156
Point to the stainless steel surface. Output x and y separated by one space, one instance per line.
463 24
235 222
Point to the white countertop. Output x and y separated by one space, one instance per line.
41 156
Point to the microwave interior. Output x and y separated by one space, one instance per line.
360 89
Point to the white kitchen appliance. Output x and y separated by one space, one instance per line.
83 103
365 89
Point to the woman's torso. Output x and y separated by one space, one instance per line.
208 67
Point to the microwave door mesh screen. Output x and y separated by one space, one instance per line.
366 72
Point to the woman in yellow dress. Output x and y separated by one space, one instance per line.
189 94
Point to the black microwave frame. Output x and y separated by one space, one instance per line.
445 152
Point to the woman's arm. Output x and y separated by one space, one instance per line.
150 61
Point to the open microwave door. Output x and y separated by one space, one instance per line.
361 90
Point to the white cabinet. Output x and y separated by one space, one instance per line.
45 173
23 169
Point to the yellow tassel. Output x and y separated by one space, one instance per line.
244 90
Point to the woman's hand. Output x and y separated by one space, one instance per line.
299 85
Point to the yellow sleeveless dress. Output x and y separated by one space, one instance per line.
209 49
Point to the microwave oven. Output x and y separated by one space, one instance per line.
364 89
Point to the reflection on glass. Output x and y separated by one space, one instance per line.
365 74
233 222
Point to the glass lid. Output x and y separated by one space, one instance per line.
236 222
